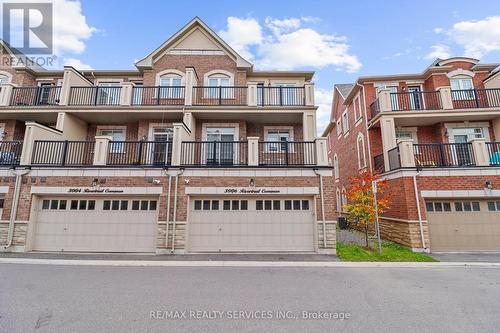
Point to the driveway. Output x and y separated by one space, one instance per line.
467 257
49 298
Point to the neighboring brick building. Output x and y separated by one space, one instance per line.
195 151
433 133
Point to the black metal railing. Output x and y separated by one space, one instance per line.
375 108
394 158
272 153
493 153
416 100
280 96
475 98
10 152
139 153
235 96
33 96
214 153
443 155
159 95
63 153
378 163
104 95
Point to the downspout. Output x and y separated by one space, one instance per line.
322 199
168 209
175 208
15 202
417 200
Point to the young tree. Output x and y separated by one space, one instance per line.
361 203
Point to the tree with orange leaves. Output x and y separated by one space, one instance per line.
361 202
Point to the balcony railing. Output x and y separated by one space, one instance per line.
272 153
234 96
159 95
493 153
214 153
63 153
394 158
476 98
10 152
416 100
443 155
34 96
87 96
139 153
375 108
280 96
378 163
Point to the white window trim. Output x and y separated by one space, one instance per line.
152 126
109 80
361 153
357 109
336 170
345 126
166 72
343 198
338 200
236 127
207 76
339 127
101 128
288 128
8 75
413 130
484 125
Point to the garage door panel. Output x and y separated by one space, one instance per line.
251 229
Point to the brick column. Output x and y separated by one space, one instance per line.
481 155
253 150
101 149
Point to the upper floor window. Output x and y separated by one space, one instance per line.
4 79
461 83
339 128
345 122
279 135
336 170
357 108
219 80
117 135
170 80
361 151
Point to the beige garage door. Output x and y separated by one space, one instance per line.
465 225
96 225
242 224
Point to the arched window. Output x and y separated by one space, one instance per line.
338 202
344 197
170 80
462 87
361 151
171 85
336 166
219 80
4 79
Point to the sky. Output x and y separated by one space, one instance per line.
339 40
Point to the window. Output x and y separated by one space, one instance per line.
82 205
244 205
115 204
278 135
493 206
219 80
135 205
124 205
144 205
447 206
74 205
276 205
475 206
458 207
336 166
235 205
117 135
345 122
429 206
406 133
197 205
214 82
226 205
296 204
54 204
361 151
267 204
305 204
106 205
62 204
153 204
338 200
215 204
4 79
462 88
45 204
357 108
259 205
91 205
206 204
288 204
339 127
1 202
344 196
170 86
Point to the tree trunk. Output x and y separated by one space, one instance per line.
366 235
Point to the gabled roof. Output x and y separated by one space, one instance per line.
22 59
195 24
344 88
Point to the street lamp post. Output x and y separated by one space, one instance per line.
377 225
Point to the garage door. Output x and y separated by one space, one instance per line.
467 225
241 224
96 225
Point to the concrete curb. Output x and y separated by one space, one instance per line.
332 264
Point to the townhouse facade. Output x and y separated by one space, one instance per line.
434 137
192 151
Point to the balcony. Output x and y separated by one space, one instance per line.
214 153
220 96
93 96
10 153
35 96
444 99
63 153
287 153
281 96
139 153
159 95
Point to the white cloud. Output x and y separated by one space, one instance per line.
477 37
242 33
323 99
76 63
71 29
438 30
438 51
286 44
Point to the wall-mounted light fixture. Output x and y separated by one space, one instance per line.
488 185
252 182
